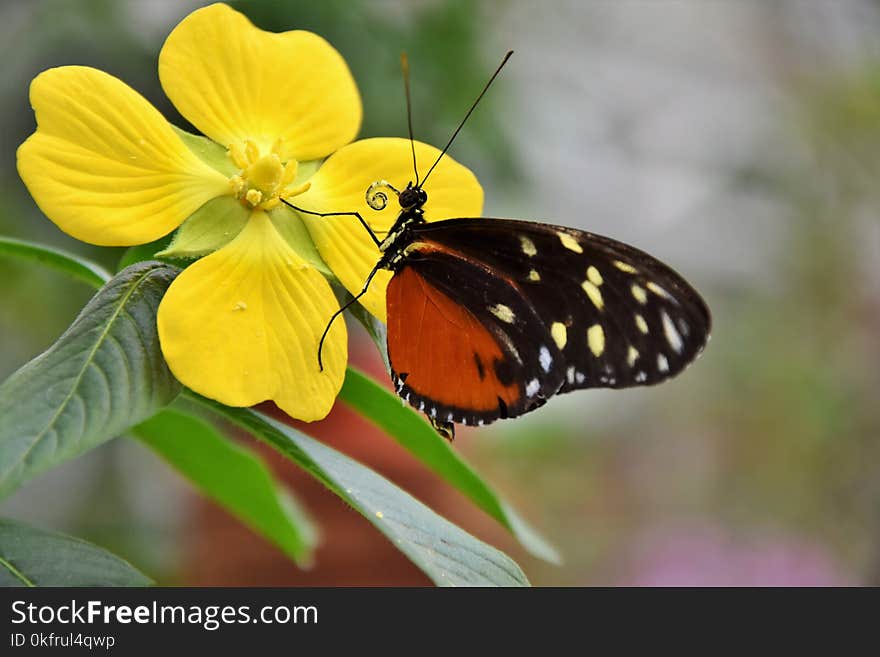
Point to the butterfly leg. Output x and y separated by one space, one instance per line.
337 214
344 307
445 429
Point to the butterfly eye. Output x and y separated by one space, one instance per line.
412 197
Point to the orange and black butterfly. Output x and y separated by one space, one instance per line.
489 318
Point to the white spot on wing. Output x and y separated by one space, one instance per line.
532 388
640 377
662 363
545 358
683 327
579 377
569 374
672 335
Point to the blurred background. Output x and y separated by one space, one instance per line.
739 142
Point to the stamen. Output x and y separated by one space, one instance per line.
251 150
263 179
237 156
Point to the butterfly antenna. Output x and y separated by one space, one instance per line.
466 116
404 66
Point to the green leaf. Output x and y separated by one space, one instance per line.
409 429
234 477
84 270
444 552
35 557
105 374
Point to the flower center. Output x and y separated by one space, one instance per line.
263 179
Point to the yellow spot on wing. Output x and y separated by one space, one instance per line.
594 294
502 312
624 267
528 246
631 356
594 276
641 323
570 243
560 334
379 514
640 294
596 339
656 289
534 275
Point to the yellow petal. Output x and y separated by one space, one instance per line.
242 326
235 82
104 165
340 186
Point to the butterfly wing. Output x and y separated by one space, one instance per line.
456 356
566 309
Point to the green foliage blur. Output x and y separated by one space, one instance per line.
760 464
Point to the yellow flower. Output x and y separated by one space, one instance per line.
241 324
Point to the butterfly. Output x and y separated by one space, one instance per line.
490 318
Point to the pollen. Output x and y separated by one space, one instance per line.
570 243
560 334
639 293
596 339
528 246
263 179
594 294
594 276
502 312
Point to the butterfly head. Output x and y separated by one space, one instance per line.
412 198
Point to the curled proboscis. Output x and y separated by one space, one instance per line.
377 197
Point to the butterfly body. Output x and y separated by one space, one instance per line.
489 318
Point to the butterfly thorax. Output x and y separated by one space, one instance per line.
412 201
